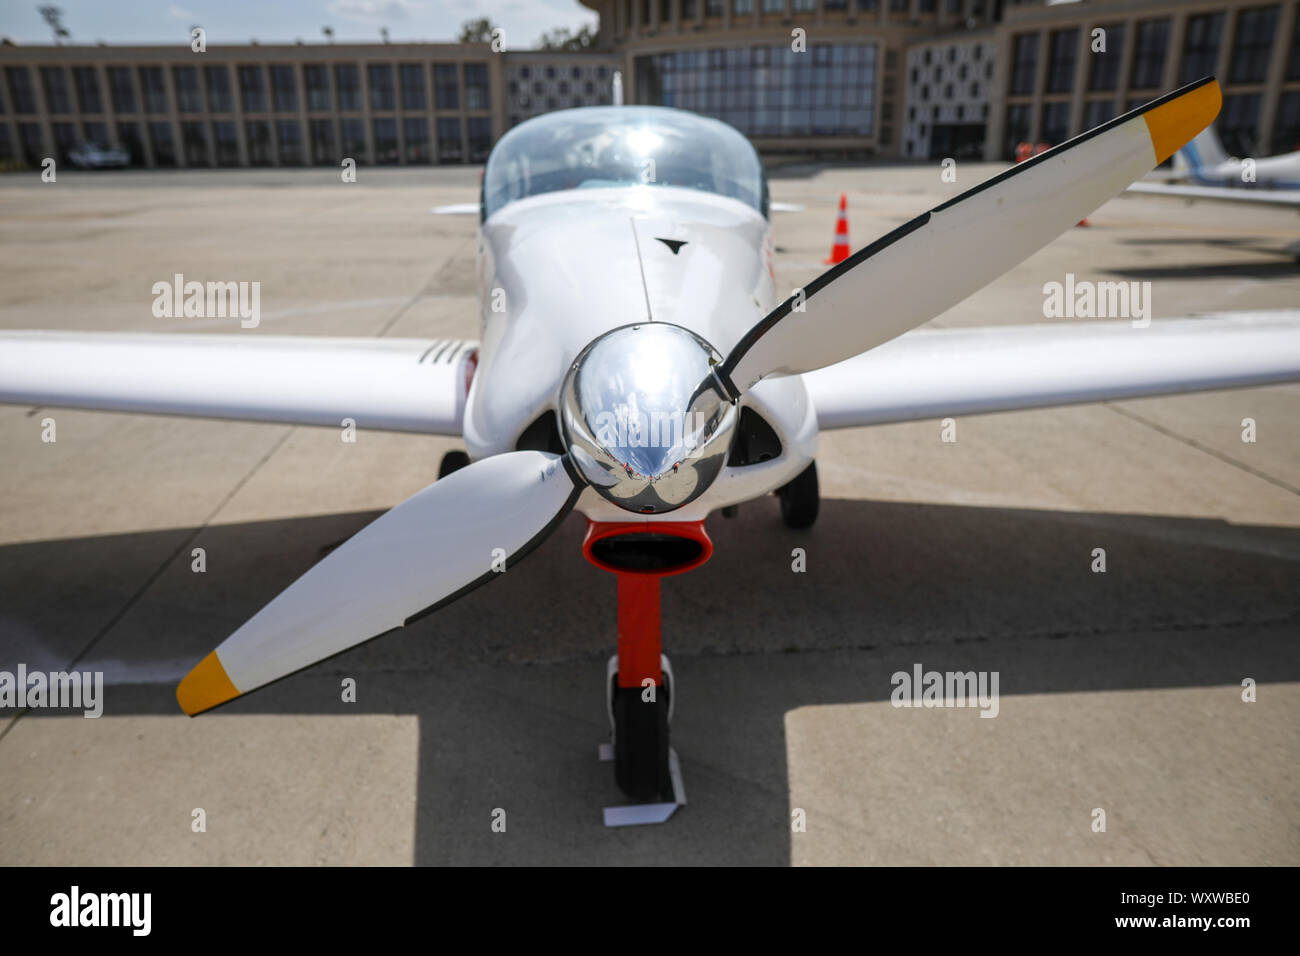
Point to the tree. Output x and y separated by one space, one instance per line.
53 16
476 31
329 33
562 38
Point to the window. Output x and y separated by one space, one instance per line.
1286 125
1238 124
382 96
121 89
1293 54
385 131
1152 37
316 78
86 80
189 99
1104 74
347 84
257 133
55 82
284 90
217 79
21 95
96 133
449 144
1063 48
194 143
476 86
65 139
322 142
1251 43
129 135
1024 61
289 135
480 138
1096 112
33 148
446 94
1201 46
415 133
225 139
252 93
412 78
1016 130
160 138
352 139
152 90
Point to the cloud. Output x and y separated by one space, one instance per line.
372 11
180 13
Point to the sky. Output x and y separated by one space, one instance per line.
284 21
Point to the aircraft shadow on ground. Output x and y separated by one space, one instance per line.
507 683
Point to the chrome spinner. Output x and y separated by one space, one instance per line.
644 418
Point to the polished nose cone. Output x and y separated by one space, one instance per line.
643 419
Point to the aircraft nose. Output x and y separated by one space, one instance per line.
642 418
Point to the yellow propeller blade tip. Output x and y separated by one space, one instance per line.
205 686
1174 124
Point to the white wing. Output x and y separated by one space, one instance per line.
411 385
932 373
1261 196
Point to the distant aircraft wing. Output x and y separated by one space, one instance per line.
457 209
934 373
409 385
1267 197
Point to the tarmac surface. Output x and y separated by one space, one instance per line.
1119 691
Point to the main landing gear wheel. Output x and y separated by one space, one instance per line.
452 461
800 499
640 732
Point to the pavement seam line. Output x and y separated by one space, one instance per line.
1193 443
159 571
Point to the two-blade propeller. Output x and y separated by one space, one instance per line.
441 543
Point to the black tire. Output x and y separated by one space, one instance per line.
641 744
452 461
800 499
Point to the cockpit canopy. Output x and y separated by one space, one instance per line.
602 146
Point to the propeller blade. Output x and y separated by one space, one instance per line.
428 551
928 265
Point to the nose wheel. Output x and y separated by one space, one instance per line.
800 499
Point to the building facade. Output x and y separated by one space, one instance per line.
845 78
254 105
1063 69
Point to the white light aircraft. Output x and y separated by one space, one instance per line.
1210 173
638 364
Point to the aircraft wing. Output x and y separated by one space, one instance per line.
1267 197
409 385
934 373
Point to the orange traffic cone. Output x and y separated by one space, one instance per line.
840 248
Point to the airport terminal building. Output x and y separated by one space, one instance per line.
834 78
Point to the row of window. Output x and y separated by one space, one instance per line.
261 89
1237 123
217 142
1252 42
642 12
769 91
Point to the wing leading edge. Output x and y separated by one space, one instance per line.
932 373
409 385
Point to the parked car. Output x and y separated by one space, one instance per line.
97 156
